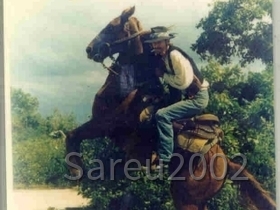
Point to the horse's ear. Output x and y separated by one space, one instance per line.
127 13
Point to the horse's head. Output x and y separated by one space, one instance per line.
121 35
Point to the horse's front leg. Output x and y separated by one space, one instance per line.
99 126
89 130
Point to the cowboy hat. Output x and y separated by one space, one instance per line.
155 37
159 33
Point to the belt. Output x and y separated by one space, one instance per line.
194 88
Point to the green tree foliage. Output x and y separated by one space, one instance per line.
28 123
24 109
237 28
40 161
26 118
244 104
59 121
37 158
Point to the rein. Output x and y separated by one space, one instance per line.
130 37
109 69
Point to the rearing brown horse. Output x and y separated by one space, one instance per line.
113 98
113 101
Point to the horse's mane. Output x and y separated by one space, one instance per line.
135 26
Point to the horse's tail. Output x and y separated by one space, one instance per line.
251 190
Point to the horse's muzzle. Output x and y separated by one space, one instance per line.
100 53
97 58
94 56
88 50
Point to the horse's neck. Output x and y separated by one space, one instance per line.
127 59
131 56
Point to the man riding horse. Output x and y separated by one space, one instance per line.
116 115
183 78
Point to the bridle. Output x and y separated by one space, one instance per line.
119 41
125 39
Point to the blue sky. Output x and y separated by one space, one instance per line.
45 43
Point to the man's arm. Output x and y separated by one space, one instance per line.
183 72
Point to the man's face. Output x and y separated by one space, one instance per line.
160 47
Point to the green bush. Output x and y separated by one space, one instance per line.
37 158
108 194
39 161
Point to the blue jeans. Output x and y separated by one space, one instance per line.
182 109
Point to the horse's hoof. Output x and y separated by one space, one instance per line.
76 174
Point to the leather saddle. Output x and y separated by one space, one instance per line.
205 126
198 134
